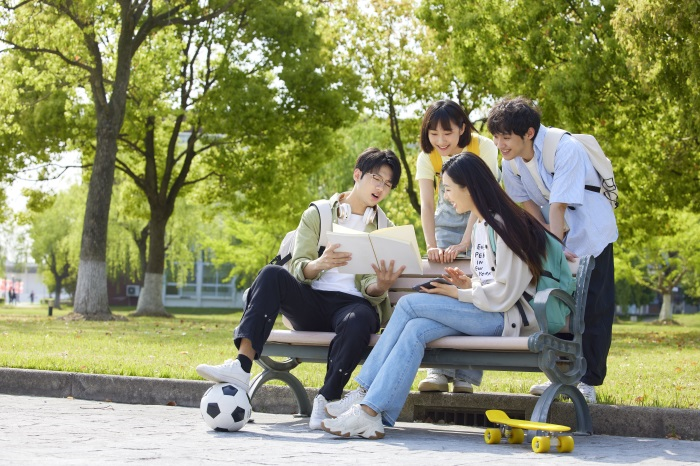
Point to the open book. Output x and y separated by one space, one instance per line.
396 243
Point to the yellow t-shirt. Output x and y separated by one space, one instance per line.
487 149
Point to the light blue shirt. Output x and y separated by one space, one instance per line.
590 216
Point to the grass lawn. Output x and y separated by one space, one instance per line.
649 364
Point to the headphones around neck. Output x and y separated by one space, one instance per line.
344 212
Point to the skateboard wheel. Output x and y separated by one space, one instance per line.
565 444
516 436
492 435
540 444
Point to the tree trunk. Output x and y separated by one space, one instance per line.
57 295
666 313
91 292
142 244
151 297
396 137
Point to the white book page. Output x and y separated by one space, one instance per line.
358 244
401 252
405 233
349 231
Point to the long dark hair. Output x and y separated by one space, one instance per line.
445 112
523 234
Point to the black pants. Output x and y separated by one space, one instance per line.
599 317
352 318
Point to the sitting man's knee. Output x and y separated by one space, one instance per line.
362 320
271 271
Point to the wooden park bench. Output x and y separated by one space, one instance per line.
559 357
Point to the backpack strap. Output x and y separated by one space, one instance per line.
514 167
324 210
549 148
382 221
492 241
436 159
473 145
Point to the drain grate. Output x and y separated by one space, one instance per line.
460 417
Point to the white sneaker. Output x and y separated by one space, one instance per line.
318 414
433 383
588 392
336 408
462 386
355 421
230 372
539 388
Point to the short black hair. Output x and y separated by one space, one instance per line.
513 116
445 112
372 159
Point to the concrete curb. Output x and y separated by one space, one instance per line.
628 421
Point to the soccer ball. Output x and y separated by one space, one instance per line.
225 407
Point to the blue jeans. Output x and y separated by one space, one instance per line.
418 319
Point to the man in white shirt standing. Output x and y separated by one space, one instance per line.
576 212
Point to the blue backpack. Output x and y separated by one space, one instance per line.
556 273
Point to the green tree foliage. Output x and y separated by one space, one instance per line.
629 293
253 82
54 226
241 79
662 48
92 44
33 125
601 67
385 42
666 260
562 54
249 242
128 232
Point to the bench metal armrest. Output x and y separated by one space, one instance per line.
540 304
577 303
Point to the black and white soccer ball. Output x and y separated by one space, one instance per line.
225 407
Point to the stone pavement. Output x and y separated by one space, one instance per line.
57 431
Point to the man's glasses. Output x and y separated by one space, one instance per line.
379 181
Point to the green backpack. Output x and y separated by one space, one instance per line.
556 273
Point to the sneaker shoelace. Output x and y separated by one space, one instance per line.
353 396
354 411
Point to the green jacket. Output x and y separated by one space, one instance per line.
306 250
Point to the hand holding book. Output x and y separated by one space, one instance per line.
386 276
332 258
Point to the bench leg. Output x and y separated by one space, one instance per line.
273 370
584 424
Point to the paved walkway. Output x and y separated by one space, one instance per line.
56 431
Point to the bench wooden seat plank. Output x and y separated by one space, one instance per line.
292 337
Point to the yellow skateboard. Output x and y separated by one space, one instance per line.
513 430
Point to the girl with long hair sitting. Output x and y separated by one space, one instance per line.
489 303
